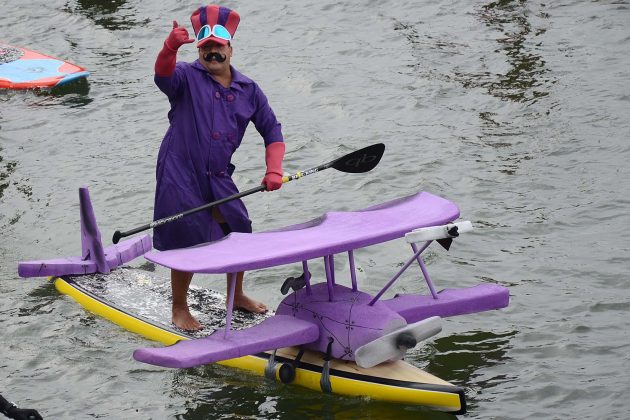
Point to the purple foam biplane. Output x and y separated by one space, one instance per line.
330 318
338 320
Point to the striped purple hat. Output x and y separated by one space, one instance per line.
214 15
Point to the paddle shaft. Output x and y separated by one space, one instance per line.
310 171
118 234
362 160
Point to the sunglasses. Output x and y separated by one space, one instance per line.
217 31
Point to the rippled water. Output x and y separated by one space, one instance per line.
516 110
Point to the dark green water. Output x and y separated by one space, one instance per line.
516 110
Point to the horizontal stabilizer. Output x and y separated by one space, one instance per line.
274 332
448 231
115 255
394 345
450 302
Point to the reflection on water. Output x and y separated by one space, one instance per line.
214 391
505 63
8 183
460 356
72 95
6 169
523 76
110 14
39 300
526 79
79 87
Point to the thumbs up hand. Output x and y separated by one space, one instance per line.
178 37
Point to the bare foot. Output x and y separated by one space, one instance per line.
183 319
250 305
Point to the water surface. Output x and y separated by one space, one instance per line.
516 110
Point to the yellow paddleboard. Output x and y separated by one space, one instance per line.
392 381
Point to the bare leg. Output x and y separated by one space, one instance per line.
182 318
242 301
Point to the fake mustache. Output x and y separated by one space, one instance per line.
215 56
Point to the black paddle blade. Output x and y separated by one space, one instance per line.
362 160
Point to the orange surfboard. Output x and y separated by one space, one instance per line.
21 68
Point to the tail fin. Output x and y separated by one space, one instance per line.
93 257
90 235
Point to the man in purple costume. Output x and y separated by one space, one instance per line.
211 106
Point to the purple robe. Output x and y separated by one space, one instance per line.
207 124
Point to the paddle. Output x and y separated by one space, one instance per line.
359 161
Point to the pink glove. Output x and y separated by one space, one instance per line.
273 157
165 63
177 37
